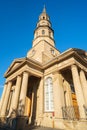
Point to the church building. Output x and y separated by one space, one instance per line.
46 86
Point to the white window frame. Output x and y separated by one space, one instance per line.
48 95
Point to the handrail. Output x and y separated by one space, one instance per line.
85 109
70 112
67 113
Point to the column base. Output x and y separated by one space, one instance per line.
3 119
22 121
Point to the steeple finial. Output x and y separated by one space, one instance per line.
44 9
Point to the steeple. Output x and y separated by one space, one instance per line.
43 29
43 48
44 9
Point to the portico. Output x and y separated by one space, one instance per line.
13 97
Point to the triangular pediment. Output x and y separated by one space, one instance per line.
14 65
18 63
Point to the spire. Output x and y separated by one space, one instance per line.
44 9
43 29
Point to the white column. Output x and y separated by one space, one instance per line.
58 95
78 90
3 96
84 85
4 106
23 92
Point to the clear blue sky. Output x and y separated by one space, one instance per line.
18 20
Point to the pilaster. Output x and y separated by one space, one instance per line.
58 95
41 98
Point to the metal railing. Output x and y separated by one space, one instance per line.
85 109
71 112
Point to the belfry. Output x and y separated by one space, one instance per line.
47 87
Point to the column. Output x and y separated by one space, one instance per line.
4 106
58 95
11 97
3 96
78 90
41 101
67 94
84 85
15 98
23 92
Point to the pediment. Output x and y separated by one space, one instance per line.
81 53
14 65
18 63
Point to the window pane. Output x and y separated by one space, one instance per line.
48 89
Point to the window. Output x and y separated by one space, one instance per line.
36 34
52 52
49 33
48 93
43 17
43 32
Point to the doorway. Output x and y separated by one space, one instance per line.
31 98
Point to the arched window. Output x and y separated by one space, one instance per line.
49 33
48 93
43 17
43 31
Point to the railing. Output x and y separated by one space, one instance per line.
71 112
9 124
12 123
85 109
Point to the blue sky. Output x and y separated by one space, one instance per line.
18 20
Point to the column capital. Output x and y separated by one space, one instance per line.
82 70
18 76
5 83
74 65
25 72
10 82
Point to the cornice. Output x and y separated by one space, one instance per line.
43 40
67 54
45 26
41 66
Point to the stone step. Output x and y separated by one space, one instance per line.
41 128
